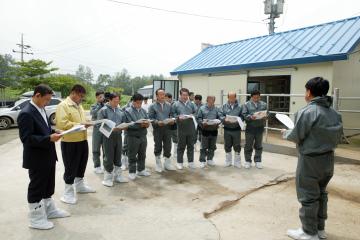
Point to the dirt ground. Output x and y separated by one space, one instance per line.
212 203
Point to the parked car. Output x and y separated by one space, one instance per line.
8 116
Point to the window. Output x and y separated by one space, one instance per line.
23 104
54 102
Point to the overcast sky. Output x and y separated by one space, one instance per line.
107 36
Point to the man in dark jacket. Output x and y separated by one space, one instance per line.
318 129
39 157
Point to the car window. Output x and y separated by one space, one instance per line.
54 102
23 104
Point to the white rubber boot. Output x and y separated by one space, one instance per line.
299 234
69 196
175 150
81 187
124 162
132 176
37 216
322 234
52 211
168 165
258 165
211 162
108 179
228 160
98 170
180 166
119 177
237 160
191 165
144 173
158 167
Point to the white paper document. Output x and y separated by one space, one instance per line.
284 119
143 121
76 128
168 120
211 122
124 125
108 126
260 114
96 122
184 116
234 119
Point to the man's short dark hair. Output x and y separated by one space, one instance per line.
113 95
146 98
137 97
43 89
254 93
159 89
198 97
77 88
99 93
168 95
318 86
191 93
184 90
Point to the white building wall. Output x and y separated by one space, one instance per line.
347 79
213 84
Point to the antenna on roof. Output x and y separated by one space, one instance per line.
273 8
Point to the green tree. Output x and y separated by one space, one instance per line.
84 73
33 72
7 65
34 68
122 80
103 81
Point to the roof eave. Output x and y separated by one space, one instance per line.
315 59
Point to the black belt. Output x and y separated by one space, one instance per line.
232 129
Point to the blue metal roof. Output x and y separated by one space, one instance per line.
320 43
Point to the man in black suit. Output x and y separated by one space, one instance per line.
39 157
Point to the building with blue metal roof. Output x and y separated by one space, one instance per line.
280 63
331 41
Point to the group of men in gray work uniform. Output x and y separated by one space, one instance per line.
317 131
178 125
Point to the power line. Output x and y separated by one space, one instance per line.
184 13
295 47
23 48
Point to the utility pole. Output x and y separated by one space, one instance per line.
23 48
273 8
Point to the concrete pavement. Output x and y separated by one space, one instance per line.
171 205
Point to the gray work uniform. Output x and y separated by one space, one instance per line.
209 133
113 144
96 135
232 131
173 129
185 130
136 137
162 134
317 131
197 136
254 130
124 147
